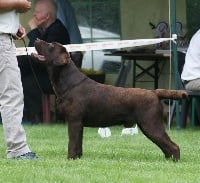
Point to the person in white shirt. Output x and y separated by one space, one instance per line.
11 92
191 70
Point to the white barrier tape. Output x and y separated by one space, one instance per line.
101 45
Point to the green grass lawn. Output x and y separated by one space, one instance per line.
117 159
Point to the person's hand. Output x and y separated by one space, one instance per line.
34 23
21 33
23 6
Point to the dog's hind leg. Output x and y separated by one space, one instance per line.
155 131
75 133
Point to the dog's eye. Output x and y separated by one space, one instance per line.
51 47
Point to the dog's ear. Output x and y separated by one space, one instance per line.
63 59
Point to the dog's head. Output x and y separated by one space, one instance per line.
53 53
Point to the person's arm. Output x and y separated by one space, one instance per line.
21 6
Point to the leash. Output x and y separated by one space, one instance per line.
33 71
31 66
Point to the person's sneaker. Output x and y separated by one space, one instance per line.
29 156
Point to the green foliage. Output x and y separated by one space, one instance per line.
117 159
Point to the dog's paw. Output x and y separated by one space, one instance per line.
130 131
104 132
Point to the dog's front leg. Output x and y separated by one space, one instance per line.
75 133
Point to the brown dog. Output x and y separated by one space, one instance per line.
88 103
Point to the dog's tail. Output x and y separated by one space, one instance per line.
171 94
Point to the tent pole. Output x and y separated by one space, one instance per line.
174 51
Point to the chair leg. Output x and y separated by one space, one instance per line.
178 119
197 112
46 108
193 111
181 120
184 113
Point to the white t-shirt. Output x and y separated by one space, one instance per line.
9 22
191 69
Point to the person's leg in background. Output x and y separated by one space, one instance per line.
194 85
32 99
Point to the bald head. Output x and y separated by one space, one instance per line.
45 11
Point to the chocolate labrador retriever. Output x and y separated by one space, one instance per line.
88 103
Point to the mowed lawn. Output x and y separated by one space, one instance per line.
117 159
